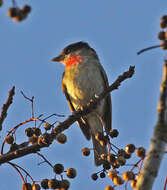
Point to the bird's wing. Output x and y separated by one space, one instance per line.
82 122
107 116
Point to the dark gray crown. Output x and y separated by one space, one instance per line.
76 46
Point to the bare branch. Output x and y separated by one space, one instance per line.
6 106
68 122
158 141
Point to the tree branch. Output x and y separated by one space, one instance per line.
6 106
158 141
69 121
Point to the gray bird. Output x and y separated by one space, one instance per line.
83 79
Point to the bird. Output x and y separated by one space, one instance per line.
83 79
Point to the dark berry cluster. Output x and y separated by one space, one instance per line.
19 14
115 159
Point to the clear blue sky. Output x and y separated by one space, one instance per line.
116 30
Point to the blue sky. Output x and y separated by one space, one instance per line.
116 30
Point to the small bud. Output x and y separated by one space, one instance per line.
140 152
86 151
58 168
61 138
71 173
94 176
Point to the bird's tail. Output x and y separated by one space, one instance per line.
98 151
96 127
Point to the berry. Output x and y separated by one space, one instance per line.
102 175
36 187
29 132
26 186
12 12
109 187
9 139
113 173
121 160
61 138
44 183
140 152
161 35
71 173
20 16
47 126
94 176
44 139
128 175
65 184
86 151
111 158
58 168
118 180
164 44
133 183
130 148
37 131
53 184
114 133
33 139
106 165
163 24
26 9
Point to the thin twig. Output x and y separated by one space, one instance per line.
45 160
6 106
149 48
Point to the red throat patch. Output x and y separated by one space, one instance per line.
74 60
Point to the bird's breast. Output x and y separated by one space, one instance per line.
83 82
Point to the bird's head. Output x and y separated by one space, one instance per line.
75 53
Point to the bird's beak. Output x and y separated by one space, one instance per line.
59 58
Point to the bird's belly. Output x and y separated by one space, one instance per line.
82 86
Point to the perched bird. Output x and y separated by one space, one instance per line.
83 79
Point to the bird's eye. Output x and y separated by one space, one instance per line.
67 51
